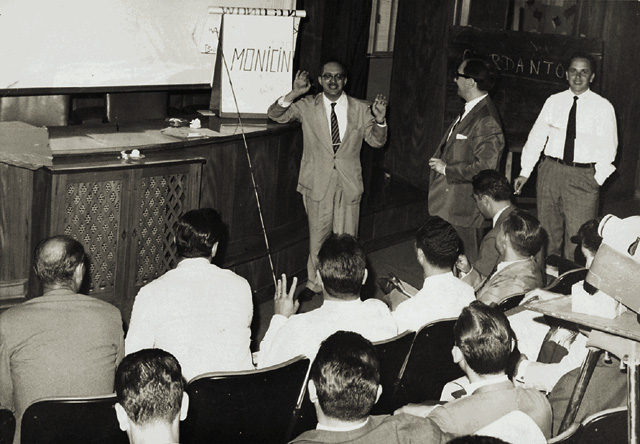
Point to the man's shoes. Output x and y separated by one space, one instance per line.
306 295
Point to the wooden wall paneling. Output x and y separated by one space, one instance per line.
418 82
288 201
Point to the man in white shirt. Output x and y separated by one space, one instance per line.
442 294
334 125
198 312
577 155
341 271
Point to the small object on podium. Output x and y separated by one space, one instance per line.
131 155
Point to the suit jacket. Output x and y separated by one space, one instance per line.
519 277
475 144
467 415
318 158
386 429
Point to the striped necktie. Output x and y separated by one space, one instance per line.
335 129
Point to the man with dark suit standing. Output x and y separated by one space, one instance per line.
474 142
330 181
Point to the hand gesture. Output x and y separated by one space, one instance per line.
438 165
301 83
379 108
462 264
519 183
283 302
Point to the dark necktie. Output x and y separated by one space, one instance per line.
457 121
570 140
335 129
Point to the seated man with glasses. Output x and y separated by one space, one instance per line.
330 181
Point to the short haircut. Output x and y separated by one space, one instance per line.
341 263
197 231
439 242
588 236
525 232
56 259
584 56
493 184
149 386
485 338
334 60
346 373
482 71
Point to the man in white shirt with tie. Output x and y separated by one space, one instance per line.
334 125
576 135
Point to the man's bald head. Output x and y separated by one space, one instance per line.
57 259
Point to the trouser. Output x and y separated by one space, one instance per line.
331 214
471 238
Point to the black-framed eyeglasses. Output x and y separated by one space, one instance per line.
337 77
464 76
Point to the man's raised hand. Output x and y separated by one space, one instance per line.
301 83
283 302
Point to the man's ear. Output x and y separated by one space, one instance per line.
184 408
379 392
78 275
366 274
458 357
123 418
313 393
214 249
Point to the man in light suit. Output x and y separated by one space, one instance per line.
474 142
333 128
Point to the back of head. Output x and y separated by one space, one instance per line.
197 232
149 386
483 72
524 232
346 374
492 184
342 264
57 258
485 338
588 236
439 242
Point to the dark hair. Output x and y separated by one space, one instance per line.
493 184
341 263
439 242
485 338
482 71
524 231
334 60
588 236
149 386
476 439
585 56
197 231
56 259
346 373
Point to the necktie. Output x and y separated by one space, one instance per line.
335 129
457 122
570 140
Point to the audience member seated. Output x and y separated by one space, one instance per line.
198 312
341 270
62 343
442 295
483 342
492 193
151 398
519 239
344 384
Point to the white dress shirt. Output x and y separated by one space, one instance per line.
198 312
302 334
596 133
442 296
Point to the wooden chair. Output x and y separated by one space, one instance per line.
563 283
7 426
245 407
608 426
80 420
510 302
429 365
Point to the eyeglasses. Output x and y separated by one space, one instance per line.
337 77
464 76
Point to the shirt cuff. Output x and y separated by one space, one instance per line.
522 370
381 125
283 103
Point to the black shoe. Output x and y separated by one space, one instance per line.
306 295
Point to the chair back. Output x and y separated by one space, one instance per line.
81 420
245 407
392 355
510 302
608 426
565 281
7 426
429 365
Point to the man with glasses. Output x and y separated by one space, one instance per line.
474 142
330 181
576 135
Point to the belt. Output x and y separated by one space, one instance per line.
571 164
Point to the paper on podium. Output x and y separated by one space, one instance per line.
24 145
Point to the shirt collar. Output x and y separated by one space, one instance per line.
486 381
438 277
502 265
342 100
346 428
194 261
497 215
470 104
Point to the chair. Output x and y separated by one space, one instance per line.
429 365
245 407
563 283
608 426
392 355
90 419
7 426
510 302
